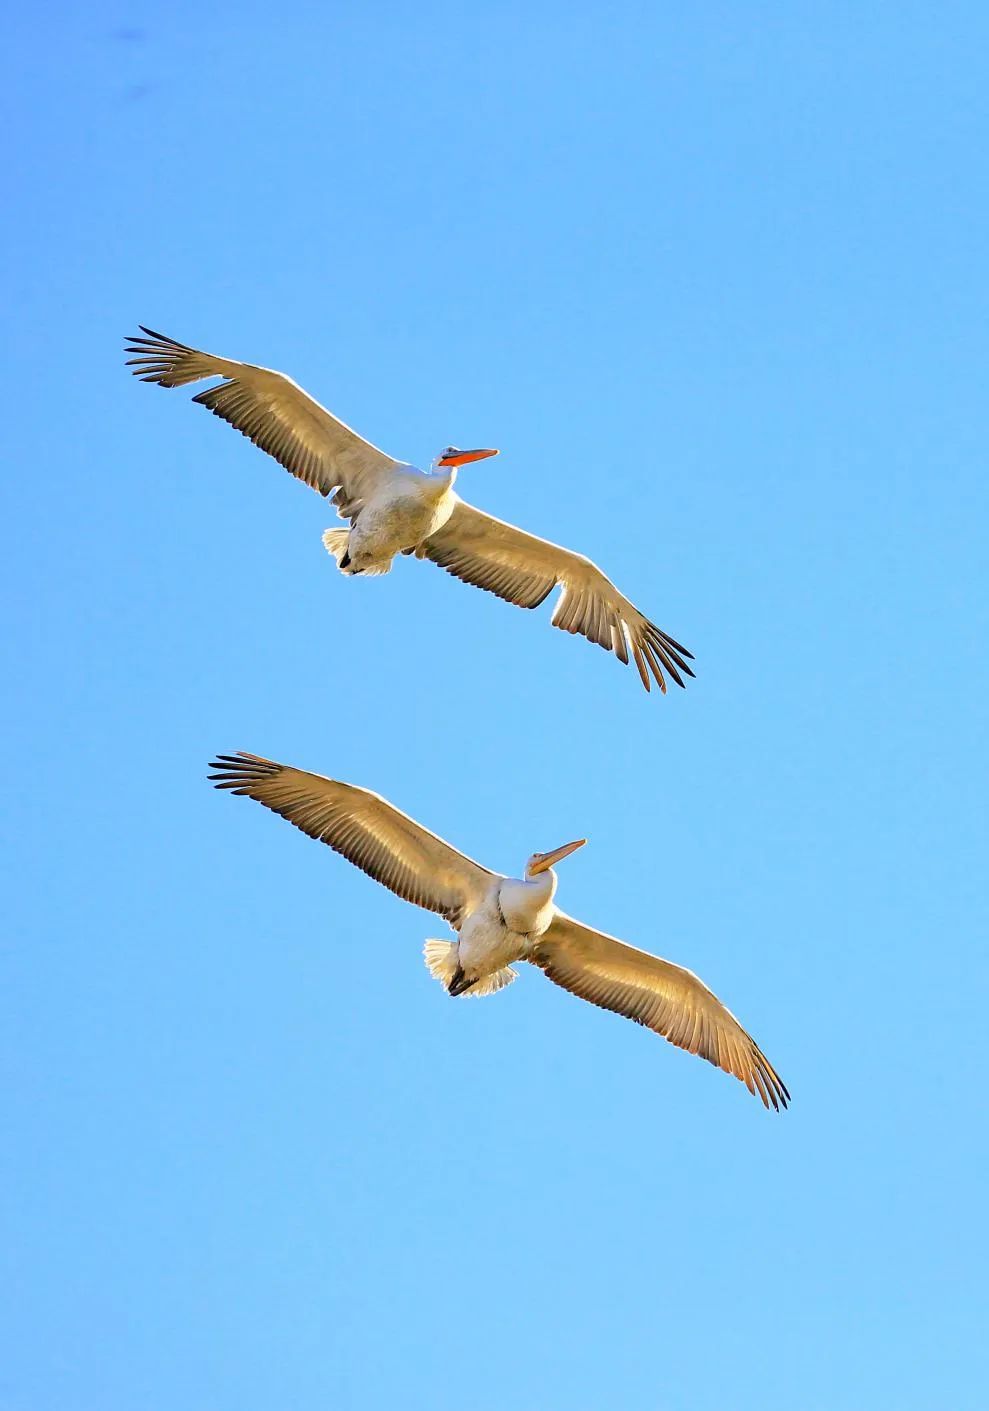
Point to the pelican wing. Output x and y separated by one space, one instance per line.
275 413
664 997
524 569
379 839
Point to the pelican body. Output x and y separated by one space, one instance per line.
394 508
499 920
401 514
512 917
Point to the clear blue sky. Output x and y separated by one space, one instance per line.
714 279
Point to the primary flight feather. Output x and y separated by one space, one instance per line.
499 920
395 508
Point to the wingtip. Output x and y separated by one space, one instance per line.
232 769
226 768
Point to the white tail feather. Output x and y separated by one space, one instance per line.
441 962
492 983
337 542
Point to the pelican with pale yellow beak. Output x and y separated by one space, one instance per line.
395 508
499 920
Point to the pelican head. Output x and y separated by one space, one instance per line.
543 861
451 457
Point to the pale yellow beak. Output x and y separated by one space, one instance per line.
463 457
547 859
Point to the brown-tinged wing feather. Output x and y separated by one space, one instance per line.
275 413
366 829
524 569
664 997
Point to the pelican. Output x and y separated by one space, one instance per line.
395 508
499 920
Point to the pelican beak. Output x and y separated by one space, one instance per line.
464 457
547 859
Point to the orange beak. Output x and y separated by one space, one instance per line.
547 859
463 457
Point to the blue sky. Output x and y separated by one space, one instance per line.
713 278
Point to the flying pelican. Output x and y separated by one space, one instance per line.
500 920
395 508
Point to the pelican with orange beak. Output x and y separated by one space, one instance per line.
498 920
393 507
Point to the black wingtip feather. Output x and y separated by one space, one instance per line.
162 338
240 769
672 642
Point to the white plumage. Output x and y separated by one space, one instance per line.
500 920
395 508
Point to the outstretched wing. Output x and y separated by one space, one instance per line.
524 570
665 998
379 839
275 413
